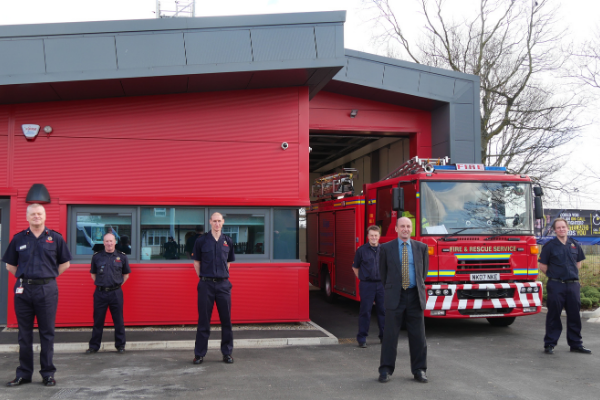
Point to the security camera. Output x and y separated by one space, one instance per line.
285 145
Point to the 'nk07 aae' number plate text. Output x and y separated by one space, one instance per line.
485 277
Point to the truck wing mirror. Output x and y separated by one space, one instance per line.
538 191
398 199
538 207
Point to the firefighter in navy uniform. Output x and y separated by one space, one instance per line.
366 268
561 260
110 270
36 257
213 253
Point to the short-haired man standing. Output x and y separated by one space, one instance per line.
36 256
403 265
213 254
561 261
366 268
110 270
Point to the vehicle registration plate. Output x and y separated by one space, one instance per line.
485 277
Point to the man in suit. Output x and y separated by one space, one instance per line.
403 266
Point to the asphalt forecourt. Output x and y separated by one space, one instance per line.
74 340
466 359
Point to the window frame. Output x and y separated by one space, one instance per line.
139 232
72 228
135 239
268 233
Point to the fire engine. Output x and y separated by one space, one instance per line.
476 220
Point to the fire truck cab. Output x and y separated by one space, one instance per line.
477 222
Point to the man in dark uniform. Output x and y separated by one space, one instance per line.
403 267
110 270
171 249
189 244
213 253
366 268
561 260
36 257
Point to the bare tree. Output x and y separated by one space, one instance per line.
515 49
586 65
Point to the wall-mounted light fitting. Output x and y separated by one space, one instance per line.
38 194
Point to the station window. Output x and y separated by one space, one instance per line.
286 233
158 234
165 231
247 228
89 225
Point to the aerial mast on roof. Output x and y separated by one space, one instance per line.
175 8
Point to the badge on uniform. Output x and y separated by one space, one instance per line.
573 245
118 258
50 238
23 247
225 244
20 288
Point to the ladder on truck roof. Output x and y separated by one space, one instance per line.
415 165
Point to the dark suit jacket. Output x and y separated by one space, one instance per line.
390 269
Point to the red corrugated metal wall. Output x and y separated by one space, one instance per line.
330 112
200 145
205 149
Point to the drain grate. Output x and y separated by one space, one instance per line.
346 341
65 393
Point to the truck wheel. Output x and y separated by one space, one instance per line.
503 321
328 288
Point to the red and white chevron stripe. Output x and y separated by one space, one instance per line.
452 302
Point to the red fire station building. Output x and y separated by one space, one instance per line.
146 127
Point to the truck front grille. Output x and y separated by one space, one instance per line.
486 311
485 293
478 265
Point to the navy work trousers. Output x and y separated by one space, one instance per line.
567 296
370 292
209 293
103 301
38 301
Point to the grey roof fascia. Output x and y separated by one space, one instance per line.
169 24
411 65
173 71
422 70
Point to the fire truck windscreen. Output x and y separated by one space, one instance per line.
478 208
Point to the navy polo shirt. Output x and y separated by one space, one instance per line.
366 260
213 255
37 258
562 259
109 268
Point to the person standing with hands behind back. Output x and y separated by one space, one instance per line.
213 254
366 268
36 257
